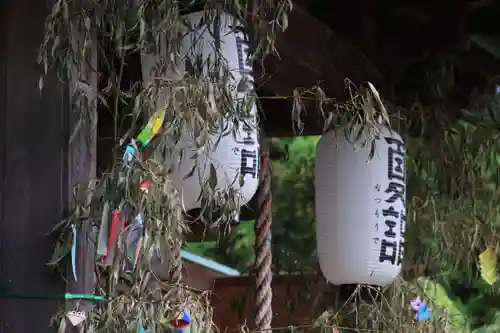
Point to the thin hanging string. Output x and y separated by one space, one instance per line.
53 296
335 328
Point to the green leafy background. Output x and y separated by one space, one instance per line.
450 220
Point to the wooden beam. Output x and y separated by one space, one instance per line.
309 54
82 171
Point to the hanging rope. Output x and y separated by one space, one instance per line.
176 272
263 252
176 261
176 268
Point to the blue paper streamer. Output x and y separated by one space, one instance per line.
140 327
73 253
129 154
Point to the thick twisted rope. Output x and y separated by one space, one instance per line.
176 264
176 271
175 274
263 252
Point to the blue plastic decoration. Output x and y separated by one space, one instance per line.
422 311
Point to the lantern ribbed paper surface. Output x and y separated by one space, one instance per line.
360 207
234 153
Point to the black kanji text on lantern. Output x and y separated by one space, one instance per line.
242 47
389 232
248 130
396 191
391 249
396 158
249 163
388 251
402 225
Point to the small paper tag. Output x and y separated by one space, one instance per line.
76 317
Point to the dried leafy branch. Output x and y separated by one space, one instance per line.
201 101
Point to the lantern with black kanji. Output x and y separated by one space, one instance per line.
360 206
233 153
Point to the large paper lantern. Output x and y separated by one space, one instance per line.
234 153
360 207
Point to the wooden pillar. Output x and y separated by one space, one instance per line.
82 169
38 167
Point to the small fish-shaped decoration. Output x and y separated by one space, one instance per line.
488 266
73 252
422 311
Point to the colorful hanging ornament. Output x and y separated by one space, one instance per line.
488 266
146 135
152 128
144 186
180 322
421 310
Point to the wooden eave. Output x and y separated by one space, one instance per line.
384 42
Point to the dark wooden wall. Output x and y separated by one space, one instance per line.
36 170
199 277
296 301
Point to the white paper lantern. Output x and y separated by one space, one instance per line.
235 157
360 208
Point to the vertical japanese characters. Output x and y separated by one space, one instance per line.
391 203
249 155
